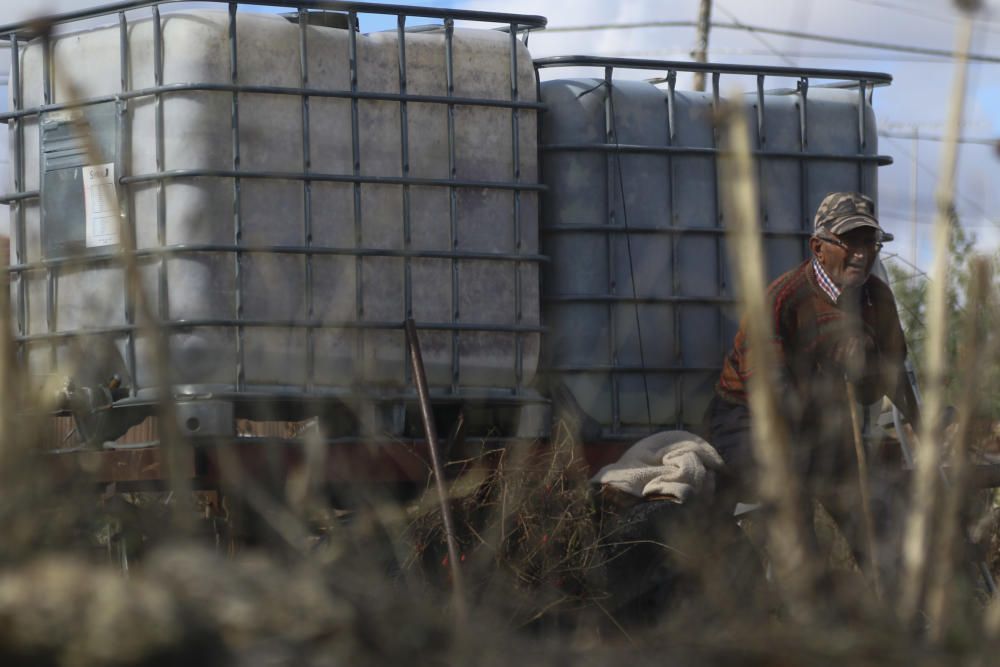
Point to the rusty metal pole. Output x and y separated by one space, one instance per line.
701 49
420 379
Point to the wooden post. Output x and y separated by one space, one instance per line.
701 49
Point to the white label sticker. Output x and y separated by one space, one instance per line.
101 201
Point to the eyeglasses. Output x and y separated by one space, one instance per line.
872 246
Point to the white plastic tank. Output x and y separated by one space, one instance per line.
282 238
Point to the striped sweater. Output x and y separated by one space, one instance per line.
808 325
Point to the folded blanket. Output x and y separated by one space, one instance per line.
674 464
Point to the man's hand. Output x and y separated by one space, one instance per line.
853 355
853 347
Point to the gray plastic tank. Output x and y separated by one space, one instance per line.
637 300
284 230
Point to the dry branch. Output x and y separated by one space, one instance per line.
778 487
863 485
178 453
916 544
949 531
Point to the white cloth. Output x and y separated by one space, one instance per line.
675 464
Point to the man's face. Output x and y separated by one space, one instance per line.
847 260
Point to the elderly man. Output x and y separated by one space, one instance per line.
834 322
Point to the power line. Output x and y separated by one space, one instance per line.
907 278
918 273
897 217
593 27
900 258
905 9
824 55
984 141
920 164
903 48
759 38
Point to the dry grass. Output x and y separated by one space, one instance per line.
549 565
527 527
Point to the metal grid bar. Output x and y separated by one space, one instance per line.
609 185
344 442
761 125
675 277
712 231
359 303
379 395
720 254
332 178
51 275
700 150
540 175
761 141
272 90
761 178
522 20
20 246
123 52
861 137
449 58
617 298
20 196
161 202
124 166
632 369
371 325
861 116
876 78
237 207
47 70
166 251
404 170
307 222
515 132
802 87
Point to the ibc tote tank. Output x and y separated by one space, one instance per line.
293 199
637 300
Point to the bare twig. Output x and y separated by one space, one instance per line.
992 616
177 452
917 538
866 503
777 484
943 563
615 622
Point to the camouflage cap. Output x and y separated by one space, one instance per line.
840 212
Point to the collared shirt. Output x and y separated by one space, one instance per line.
825 283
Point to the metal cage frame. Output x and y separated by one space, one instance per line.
865 82
517 26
